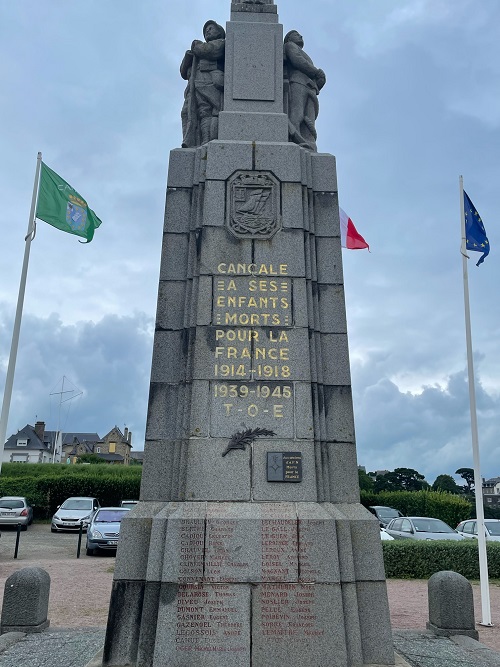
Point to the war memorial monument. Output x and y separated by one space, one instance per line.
249 547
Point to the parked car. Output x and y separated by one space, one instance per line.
73 512
14 510
422 528
129 503
104 529
384 535
384 514
469 529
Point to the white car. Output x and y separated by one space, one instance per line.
73 512
421 528
469 529
384 535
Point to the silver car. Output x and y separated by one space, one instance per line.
469 529
73 512
104 529
421 528
15 510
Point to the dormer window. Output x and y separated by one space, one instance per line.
22 442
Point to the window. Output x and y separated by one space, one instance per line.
467 527
406 526
22 442
97 450
112 447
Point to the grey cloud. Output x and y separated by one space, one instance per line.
108 360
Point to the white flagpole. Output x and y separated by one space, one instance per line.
9 380
478 483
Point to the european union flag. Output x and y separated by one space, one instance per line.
475 233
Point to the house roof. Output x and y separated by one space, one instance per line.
88 446
492 481
110 457
68 438
49 437
34 442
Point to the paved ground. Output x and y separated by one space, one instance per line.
80 591
80 588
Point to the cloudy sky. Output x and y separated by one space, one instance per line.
412 101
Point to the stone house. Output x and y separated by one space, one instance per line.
114 448
491 491
34 444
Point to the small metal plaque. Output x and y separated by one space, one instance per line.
284 466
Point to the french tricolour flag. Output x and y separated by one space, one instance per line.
349 235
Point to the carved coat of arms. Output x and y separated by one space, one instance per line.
253 198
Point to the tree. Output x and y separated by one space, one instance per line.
401 479
366 483
467 474
90 458
446 483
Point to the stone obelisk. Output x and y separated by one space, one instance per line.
249 547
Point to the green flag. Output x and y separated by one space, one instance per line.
63 207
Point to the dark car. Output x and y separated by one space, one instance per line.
15 510
104 529
384 514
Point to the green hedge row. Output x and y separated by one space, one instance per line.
62 470
448 507
420 559
45 492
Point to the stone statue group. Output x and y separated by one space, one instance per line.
203 68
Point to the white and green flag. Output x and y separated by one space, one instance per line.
63 207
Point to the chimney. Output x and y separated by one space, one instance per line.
125 434
40 430
129 439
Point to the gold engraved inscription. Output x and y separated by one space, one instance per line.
252 306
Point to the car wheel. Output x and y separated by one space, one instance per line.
53 530
24 526
90 552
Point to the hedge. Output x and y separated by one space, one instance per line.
448 507
419 559
48 485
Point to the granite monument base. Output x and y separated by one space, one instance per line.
249 585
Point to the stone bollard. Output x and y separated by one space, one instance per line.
451 605
26 601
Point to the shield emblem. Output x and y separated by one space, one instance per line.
253 210
76 214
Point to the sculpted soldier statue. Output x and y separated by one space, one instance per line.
305 82
203 68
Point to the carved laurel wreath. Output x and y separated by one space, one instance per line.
243 438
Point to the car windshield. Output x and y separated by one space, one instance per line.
110 516
388 513
77 504
11 504
431 526
493 528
